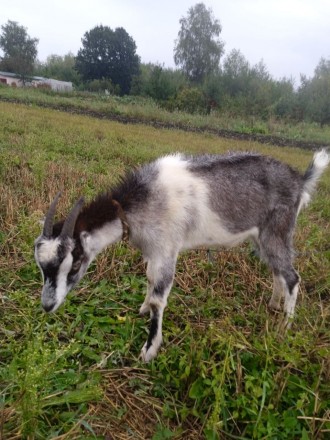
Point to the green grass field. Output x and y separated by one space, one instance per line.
137 108
224 371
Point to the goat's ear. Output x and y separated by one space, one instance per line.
87 243
85 239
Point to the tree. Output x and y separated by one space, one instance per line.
235 73
198 48
285 103
108 54
160 83
247 89
59 67
19 49
314 94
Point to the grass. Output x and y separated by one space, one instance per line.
224 371
147 110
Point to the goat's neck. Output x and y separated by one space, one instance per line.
99 238
100 224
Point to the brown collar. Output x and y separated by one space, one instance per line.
123 219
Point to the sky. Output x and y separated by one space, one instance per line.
290 36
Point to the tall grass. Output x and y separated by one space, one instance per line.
224 370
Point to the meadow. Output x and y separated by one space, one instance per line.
146 110
224 371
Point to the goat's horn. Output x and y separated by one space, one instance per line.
49 220
69 224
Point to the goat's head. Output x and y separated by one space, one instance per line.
61 257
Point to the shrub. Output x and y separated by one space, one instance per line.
103 85
191 100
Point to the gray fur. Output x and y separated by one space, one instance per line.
257 184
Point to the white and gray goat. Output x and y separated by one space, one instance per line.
181 202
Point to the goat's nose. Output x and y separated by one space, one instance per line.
48 307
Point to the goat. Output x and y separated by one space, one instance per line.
182 202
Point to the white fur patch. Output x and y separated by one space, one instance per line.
56 297
151 353
46 250
96 241
290 301
321 159
186 192
62 277
305 199
289 306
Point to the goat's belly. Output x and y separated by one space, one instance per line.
218 236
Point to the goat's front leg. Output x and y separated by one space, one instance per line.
278 293
160 280
145 308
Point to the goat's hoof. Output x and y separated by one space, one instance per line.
144 309
274 306
285 324
149 354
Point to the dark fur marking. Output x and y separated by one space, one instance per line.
50 271
97 213
153 326
78 256
132 190
291 278
159 288
165 281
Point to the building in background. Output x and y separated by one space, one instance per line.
11 79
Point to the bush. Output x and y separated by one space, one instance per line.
213 91
191 100
284 107
103 85
158 82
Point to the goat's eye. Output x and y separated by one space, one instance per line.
76 265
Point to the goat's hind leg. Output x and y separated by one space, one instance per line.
276 250
292 280
285 285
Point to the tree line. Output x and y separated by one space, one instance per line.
204 80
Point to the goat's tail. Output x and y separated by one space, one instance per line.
314 171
